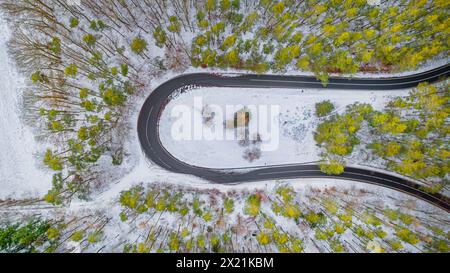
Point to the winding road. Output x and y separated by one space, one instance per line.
148 129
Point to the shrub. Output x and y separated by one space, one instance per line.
324 108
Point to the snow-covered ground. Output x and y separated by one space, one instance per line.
296 122
19 175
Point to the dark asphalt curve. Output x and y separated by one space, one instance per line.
151 145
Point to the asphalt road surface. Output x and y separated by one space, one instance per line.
148 130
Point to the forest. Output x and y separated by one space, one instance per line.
87 62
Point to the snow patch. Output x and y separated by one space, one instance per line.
19 175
